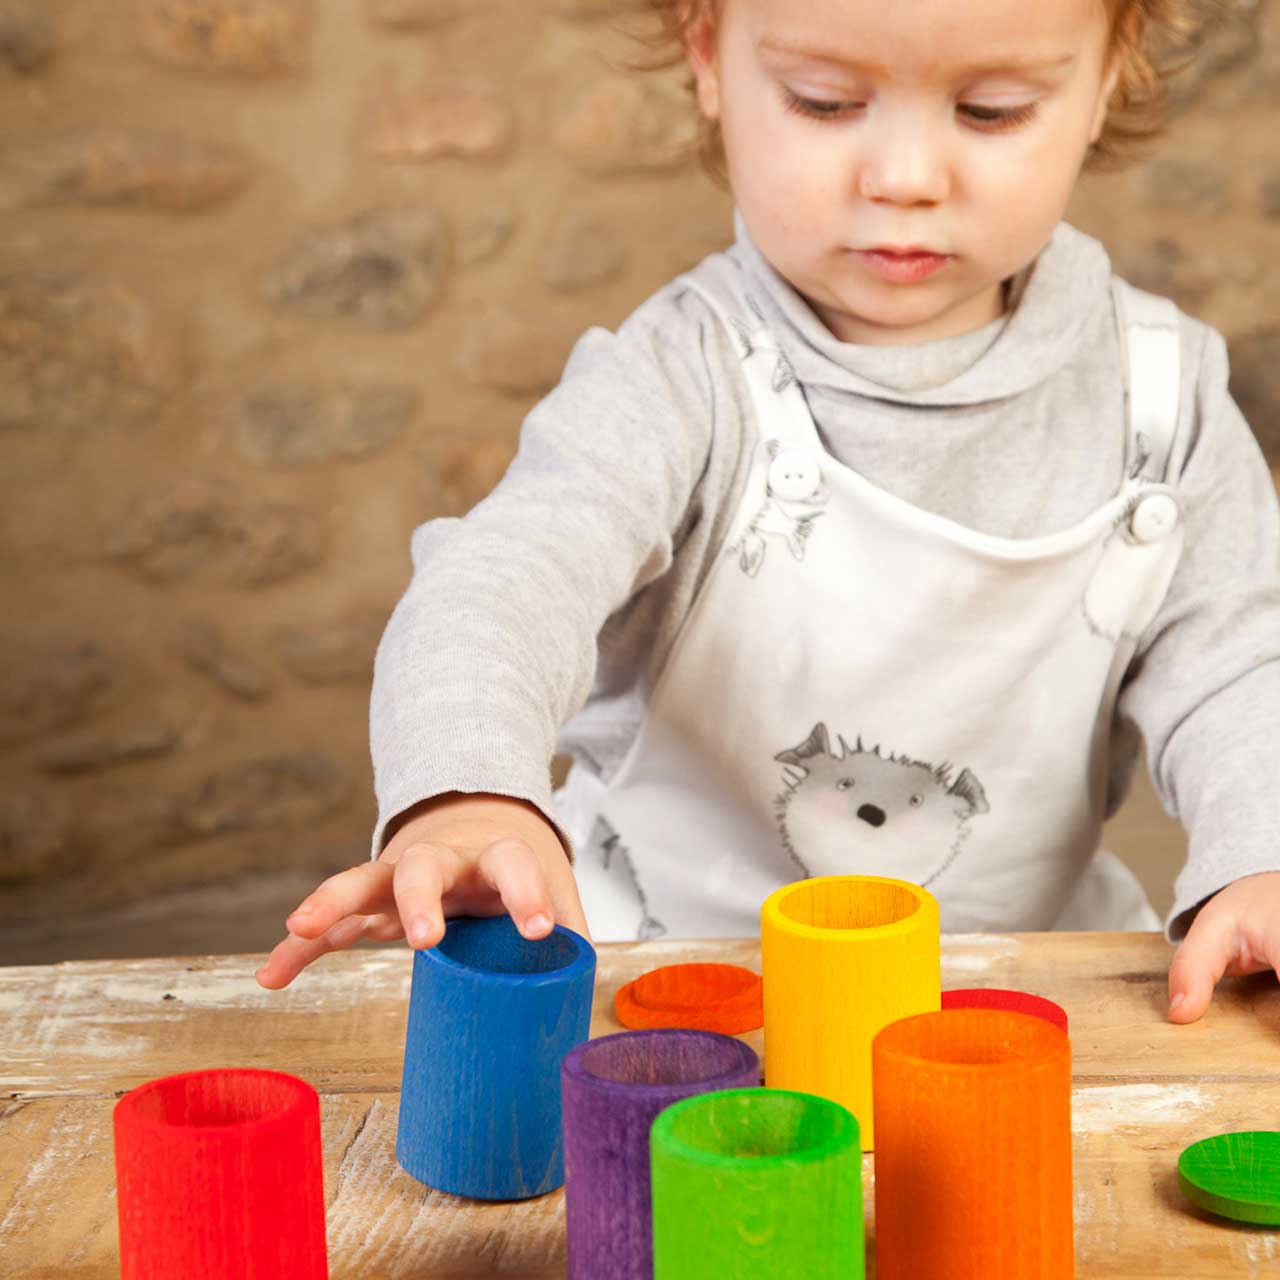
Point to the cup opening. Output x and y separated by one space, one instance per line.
493 944
216 1099
848 902
754 1123
663 1057
972 1038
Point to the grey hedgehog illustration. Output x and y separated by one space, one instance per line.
859 811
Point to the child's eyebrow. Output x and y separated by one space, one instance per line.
1047 62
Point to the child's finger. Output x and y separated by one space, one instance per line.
290 957
360 890
1199 963
512 868
424 874
568 903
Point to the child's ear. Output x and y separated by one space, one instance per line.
700 49
1127 37
1104 101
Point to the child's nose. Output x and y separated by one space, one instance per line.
904 163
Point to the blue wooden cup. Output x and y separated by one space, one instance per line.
491 1015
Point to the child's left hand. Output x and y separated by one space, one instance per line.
1236 932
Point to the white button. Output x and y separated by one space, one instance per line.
1153 517
795 475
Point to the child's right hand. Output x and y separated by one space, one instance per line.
454 855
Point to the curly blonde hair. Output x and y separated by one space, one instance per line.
1153 40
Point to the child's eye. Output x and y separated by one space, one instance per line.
817 108
916 801
844 784
996 118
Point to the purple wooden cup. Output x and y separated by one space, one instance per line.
611 1090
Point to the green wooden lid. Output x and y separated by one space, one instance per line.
1235 1175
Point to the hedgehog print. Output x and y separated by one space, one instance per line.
756 340
620 868
857 811
795 494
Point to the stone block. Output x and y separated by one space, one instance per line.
334 652
206 650
381 270
190 531
240 37
1267 192
483 233
80 351
414 14
49 689
448 118
28 34
91 749
281 790
110 166
286 423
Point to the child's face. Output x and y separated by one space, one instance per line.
956 126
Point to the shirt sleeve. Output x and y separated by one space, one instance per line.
493 645
1204 688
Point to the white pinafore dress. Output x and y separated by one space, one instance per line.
862 686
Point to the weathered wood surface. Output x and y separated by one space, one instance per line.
73 1036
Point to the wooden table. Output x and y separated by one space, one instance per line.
73 1037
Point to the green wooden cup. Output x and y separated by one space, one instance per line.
757 1182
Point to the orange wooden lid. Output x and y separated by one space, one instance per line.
700 997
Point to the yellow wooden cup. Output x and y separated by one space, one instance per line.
844 956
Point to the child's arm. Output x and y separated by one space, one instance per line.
493 646
1204 689
454 855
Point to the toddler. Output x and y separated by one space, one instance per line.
870 545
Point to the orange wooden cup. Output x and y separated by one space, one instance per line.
973 1147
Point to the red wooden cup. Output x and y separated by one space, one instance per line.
219 1174
1012 1001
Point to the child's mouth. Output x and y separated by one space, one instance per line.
903 268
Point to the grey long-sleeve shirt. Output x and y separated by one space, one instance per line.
553 604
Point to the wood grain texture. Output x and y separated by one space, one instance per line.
973 1159
491 1016
757 1182
1236 1175
73 1035
613 1087
218 1174
844 956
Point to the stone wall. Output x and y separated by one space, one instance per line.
278 281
